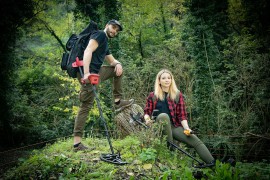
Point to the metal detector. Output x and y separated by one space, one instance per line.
94 79
137 118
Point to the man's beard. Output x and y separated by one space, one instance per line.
108 33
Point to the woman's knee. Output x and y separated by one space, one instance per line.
163 117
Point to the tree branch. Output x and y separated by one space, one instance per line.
53 34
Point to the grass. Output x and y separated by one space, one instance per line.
145 161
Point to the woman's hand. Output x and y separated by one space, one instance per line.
148 120
187 132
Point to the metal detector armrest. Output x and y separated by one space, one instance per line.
77 63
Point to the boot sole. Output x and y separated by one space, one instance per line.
123 107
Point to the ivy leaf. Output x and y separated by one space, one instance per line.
130 173
147 166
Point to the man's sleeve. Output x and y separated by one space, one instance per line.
99 36
108 52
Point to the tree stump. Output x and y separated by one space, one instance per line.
125 124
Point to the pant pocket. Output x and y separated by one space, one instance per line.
84 95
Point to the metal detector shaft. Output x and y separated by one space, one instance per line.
175 146
102 118
81 71
100 112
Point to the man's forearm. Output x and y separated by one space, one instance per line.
86 61
115 62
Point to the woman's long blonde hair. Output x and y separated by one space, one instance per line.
173 90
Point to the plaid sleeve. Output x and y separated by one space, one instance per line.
148 109
181 109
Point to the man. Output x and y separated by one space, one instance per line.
94 55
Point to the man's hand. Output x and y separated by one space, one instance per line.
118 69
85 78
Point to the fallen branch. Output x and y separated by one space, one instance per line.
249 133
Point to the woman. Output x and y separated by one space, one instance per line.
168 105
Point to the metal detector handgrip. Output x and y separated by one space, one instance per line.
154 114
79 64
93 78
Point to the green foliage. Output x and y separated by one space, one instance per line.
244 94
223 172
34 91
228 70
255 170
58 161
148 154
42 99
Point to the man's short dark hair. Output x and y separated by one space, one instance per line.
113 21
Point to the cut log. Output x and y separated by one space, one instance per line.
125 124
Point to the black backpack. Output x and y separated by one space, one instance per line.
75 46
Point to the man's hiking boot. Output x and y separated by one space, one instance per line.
123 104
82 147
